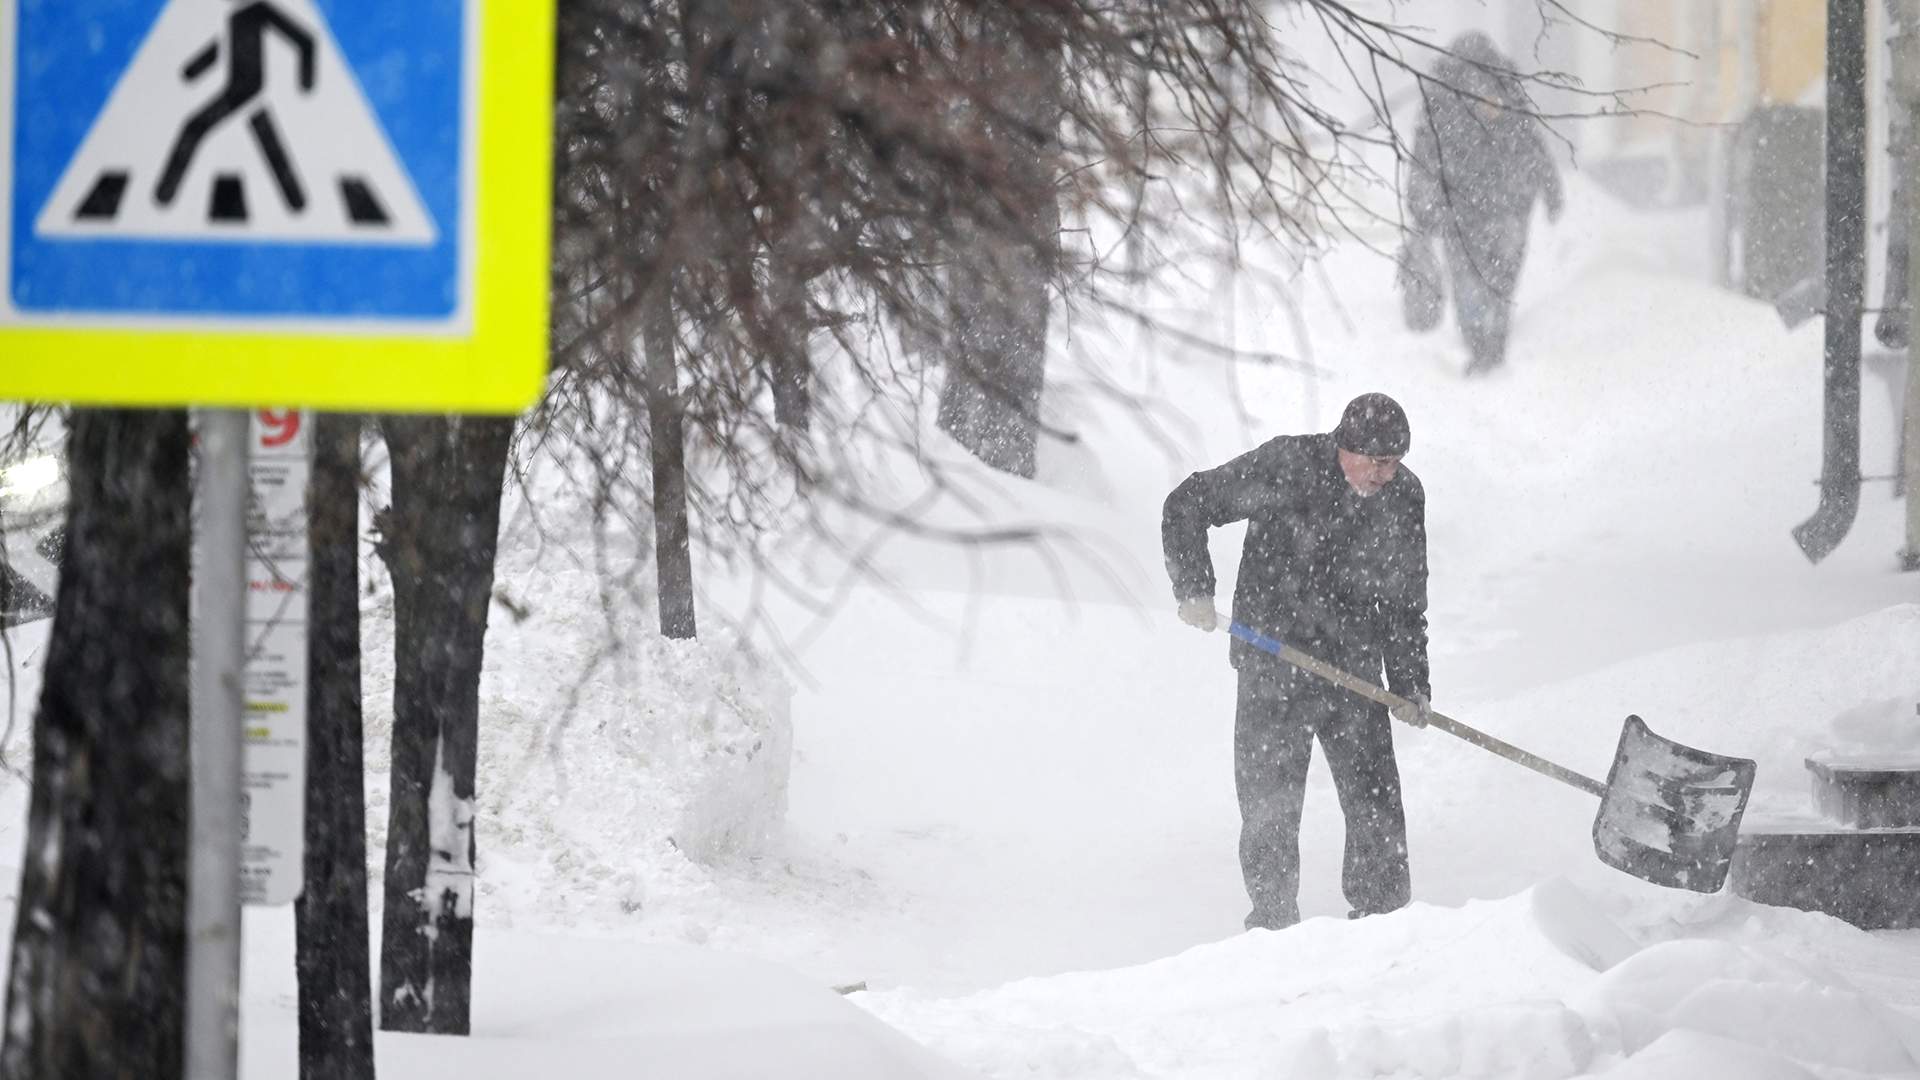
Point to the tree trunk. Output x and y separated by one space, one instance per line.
1003 269
666 426
330 918
438 540
96 987
790 367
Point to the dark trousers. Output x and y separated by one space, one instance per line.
1278 715
1483 265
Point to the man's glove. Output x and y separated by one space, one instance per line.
1416 712
1197 612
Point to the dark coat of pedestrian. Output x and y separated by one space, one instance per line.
1334 564
1479 162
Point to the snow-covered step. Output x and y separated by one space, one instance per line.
1869 877
1867 792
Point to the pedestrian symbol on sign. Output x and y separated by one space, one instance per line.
246 78
345 203
287 152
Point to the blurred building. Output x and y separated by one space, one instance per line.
1719 104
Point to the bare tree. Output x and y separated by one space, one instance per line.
849 200
438 541
1003 270
673 544
331 942
99 943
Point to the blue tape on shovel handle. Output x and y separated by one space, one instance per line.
1255 638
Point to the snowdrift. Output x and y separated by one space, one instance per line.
1541 985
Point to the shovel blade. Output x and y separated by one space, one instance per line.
1671 813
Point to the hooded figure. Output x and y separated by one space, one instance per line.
1334 564
1479 162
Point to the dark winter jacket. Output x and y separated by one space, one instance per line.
1339 576
1478 155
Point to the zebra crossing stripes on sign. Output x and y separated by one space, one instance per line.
270 138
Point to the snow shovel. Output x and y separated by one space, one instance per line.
1669 814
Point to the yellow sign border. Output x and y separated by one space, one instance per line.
500 367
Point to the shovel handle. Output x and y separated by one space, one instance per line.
1394 701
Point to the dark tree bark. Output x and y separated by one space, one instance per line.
438 540
330 919
1003 266
666 424
96 987
792 260
789 367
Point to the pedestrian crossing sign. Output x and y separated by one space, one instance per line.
331 203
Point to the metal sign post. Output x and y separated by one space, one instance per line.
1910 444
1906 85
213 890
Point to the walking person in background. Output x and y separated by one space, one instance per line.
1335 564
1479 162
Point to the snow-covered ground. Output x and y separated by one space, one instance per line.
1010 807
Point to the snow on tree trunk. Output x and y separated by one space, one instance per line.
438 541
330 918
450 832
99 945
1002 267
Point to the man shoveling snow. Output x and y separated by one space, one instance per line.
1335 563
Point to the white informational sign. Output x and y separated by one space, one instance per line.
273 799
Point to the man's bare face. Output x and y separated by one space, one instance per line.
1367 474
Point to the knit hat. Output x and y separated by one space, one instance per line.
1374 425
